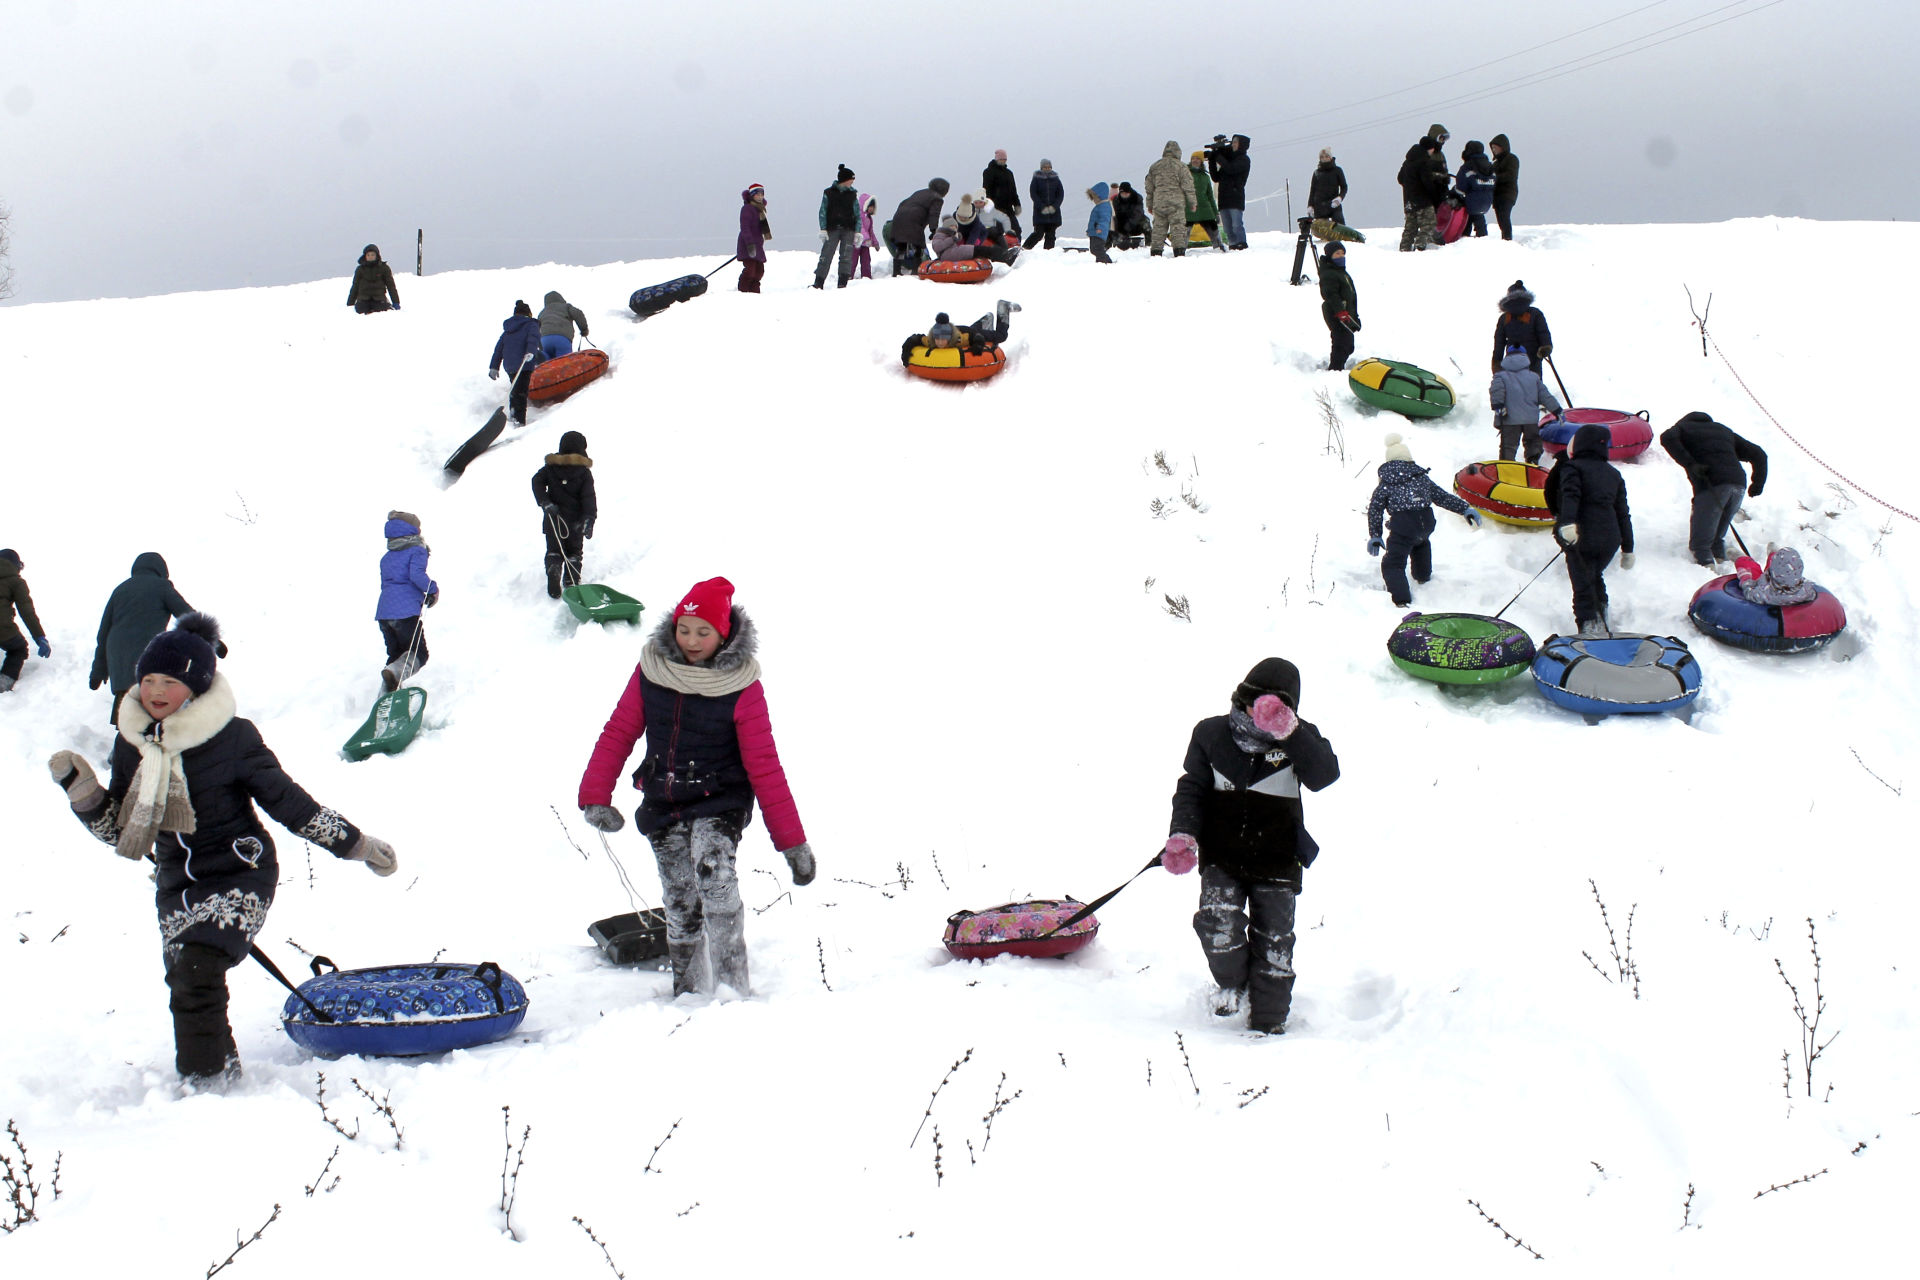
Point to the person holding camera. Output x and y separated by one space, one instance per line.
1230 165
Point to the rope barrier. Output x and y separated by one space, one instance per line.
1796 443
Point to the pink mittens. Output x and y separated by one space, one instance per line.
1273 716
1181 855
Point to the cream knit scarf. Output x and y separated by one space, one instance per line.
157 799
705 682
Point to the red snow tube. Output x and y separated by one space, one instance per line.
1510 492
1628 434
1019 929
1450 220
972 271
560 377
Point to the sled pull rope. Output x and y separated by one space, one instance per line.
1102 900
254 950
621 871
1530 581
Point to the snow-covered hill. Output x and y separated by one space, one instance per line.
980 695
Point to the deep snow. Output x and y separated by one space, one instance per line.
961 594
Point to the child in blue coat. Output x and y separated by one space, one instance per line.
1408 496
1099 222
405 589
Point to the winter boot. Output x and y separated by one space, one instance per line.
1593 629
6 684
1269 1017
553 580
1229 1001
688 960
388 680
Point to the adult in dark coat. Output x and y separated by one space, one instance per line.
1713 453
1236 811
15 596
1588 498
184 796
1523 325
568 508
1327 192
1047 193
518 349
1506 183
1230 186
916 218
1339 304
1474 182
1002 188
1422 188
1129 217
372 285
138 610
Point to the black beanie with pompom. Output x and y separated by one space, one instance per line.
187 653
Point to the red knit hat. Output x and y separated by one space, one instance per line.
711 602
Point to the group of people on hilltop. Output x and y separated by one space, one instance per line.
1488 179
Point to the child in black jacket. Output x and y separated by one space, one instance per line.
1236 812
568 508
1591 521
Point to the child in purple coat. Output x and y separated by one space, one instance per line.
754 234
405 589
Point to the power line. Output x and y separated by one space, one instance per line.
1584 62
1464 71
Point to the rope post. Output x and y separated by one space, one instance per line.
420 251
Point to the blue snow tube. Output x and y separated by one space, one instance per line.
403 1011
656 298
1623 674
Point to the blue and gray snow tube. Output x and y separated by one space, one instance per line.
654 299
1623 674
403 1011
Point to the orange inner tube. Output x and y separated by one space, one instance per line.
560 377
971 368
974 271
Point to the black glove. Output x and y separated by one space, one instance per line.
433 598
549 509
95 680
586 530
604 817
219 648
1753 490
800 862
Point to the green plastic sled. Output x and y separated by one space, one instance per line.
395 719
591 602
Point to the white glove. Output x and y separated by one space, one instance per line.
823 235
1336 201
377 854
1626 560
1569 533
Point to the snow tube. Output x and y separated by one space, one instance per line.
1402 388
1510 492
1326 229
560 377
404 1010
1459 648
1018 929
1627 673
1450 220
1723 611
972 271
950 364
1628 434
655 298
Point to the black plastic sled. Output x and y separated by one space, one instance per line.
477 443
654 299
636 938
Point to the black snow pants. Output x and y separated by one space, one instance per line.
404 636
16 659
1408 538
202 1040
517 394
700 891
564 552
1041 234
1246 929
1342 345
1585 571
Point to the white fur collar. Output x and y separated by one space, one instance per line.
189 727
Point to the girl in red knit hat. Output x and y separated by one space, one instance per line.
710 755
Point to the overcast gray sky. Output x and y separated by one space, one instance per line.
155 147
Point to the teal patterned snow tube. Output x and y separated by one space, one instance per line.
1459 648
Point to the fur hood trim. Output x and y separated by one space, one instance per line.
569 460
742 646
732 669
191 726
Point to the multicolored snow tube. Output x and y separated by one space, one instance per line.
1621 674
1019 929
1723 611
1401 388
1459 648
1628 434
1510 492
950 364
970 271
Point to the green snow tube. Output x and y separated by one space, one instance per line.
591 602
1460 648
395 719
1403 388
